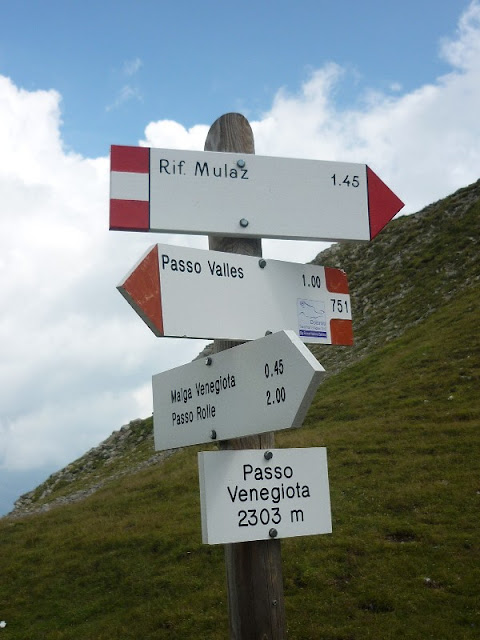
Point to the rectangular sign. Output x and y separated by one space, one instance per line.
263 385
248 495
193 293
233 194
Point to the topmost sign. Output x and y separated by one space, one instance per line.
234 194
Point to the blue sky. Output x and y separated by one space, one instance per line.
395 85
119 65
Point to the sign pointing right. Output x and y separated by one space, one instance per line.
244 195
259 386
383 204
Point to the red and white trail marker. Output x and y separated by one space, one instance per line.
234 194
193 293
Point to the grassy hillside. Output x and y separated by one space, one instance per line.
402 431
401 422
408 272
411 269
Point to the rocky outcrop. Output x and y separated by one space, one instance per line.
124 452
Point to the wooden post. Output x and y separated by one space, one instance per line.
254 569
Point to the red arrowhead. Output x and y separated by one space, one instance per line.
141 289
383 204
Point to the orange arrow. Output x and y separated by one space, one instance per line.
141 289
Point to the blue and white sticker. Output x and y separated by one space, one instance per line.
312 320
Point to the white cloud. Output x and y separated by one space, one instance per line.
75 360
131 67
423 144
126 93
463 51
169 134
396 87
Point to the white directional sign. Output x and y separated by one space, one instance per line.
258 495
192 293
233 194
263 385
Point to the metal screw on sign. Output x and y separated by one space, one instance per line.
240 163
268 332
268 455
273 533
262 263
208 361
213 434
244 222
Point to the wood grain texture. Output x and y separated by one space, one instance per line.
255 590
254 569
232 133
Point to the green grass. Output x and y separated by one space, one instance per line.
401 429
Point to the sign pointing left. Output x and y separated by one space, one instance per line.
193 293
263 385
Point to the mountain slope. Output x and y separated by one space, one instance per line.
401 423
405 274
401 430
411 269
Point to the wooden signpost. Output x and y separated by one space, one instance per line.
254 569
252 494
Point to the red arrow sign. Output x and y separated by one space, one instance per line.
227 194
383 204
141 288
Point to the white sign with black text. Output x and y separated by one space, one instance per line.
232 194
193 293
259 495
263 385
